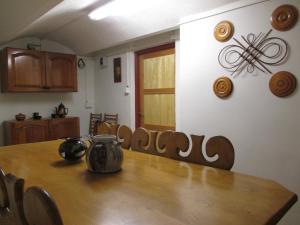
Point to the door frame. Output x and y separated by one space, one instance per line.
137 75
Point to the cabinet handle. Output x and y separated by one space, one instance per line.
46 87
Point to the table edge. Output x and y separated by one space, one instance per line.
281 212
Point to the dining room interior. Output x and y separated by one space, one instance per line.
194 105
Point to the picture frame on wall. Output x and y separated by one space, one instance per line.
117 70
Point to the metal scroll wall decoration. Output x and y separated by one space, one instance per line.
253 52
174 145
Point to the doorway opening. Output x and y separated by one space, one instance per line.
155 88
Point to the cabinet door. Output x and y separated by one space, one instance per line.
25 71
30 131
61 72
65 127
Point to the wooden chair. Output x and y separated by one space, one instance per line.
170 143
107 128
95 118
40 208
111 118
33 207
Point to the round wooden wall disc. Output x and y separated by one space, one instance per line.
223 31
282 83
284 17
223 87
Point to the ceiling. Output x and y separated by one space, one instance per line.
67 21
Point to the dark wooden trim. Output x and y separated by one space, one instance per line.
155 49
137 76
159 91
279 214
137 90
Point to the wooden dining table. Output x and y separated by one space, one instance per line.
149 190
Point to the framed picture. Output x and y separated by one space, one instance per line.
117 70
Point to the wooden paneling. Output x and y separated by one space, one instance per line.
61 72
28 131
159 71
159 110
62 128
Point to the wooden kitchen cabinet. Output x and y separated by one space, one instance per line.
29 131
22 70
37 71
62 128
60 72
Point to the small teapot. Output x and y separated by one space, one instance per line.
104 154
61 110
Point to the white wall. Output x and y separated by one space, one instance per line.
110 97
27 103
263 128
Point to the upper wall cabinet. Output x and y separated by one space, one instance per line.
36 71
61 72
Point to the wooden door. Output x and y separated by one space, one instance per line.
30 131
61 72
156 88
25 70
65 127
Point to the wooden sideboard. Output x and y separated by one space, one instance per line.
29 131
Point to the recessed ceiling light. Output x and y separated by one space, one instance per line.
116 8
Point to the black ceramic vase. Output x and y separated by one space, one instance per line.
72 149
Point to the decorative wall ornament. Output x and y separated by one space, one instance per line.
223 87
223 31
284 17
253 52
117 70
282 84
81 63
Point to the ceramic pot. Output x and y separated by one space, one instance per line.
104 154
20 117
72 149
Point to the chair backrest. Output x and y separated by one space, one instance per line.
173 144
95 118
34 207
111 118
40 208
106 128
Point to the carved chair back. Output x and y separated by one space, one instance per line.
219 151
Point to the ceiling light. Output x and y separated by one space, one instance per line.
116 8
